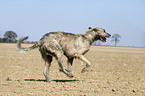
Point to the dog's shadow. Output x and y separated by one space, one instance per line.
43 80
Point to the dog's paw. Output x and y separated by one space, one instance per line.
70 75
48 81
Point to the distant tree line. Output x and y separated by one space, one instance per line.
11 37
97 43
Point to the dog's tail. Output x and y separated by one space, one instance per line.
23 49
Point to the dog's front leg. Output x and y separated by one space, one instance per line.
82 58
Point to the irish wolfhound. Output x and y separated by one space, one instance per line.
60 44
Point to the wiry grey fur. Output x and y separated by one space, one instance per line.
60 44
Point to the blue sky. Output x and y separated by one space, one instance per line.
34 18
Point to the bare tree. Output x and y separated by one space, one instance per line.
115 38
10 35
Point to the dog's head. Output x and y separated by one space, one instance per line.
100 34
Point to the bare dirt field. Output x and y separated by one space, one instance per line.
115 71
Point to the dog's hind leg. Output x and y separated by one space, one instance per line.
48 60
53 46
59 57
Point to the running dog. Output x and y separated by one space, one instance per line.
60 44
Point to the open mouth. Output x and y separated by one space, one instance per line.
103 39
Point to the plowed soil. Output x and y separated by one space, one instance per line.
114 71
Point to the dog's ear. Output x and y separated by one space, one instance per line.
90 28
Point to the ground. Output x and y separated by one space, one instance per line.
114 71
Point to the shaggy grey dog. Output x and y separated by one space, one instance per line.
60 44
